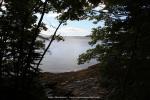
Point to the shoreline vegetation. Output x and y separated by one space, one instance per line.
83 83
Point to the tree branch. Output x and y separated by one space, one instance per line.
53 38
35 35
1 3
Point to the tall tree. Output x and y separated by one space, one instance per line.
124 49
19 46
17 34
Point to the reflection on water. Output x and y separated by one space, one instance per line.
62 56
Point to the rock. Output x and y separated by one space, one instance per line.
51 84
82 83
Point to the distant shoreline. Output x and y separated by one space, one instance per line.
47 37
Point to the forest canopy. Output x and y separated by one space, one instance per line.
123 53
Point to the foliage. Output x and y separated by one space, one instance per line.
122 45
18 56
124 49
20 50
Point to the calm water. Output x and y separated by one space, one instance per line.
62 56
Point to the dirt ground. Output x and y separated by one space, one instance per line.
83 83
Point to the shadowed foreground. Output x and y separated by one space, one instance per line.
82 83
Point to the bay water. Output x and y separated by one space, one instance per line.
62 56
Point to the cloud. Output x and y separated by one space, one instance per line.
99 7
74 28
74 31
52 15
67 31
49 31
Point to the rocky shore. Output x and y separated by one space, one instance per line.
74 85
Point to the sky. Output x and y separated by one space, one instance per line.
73 28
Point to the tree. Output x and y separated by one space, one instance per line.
18 49
20 55
123 52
